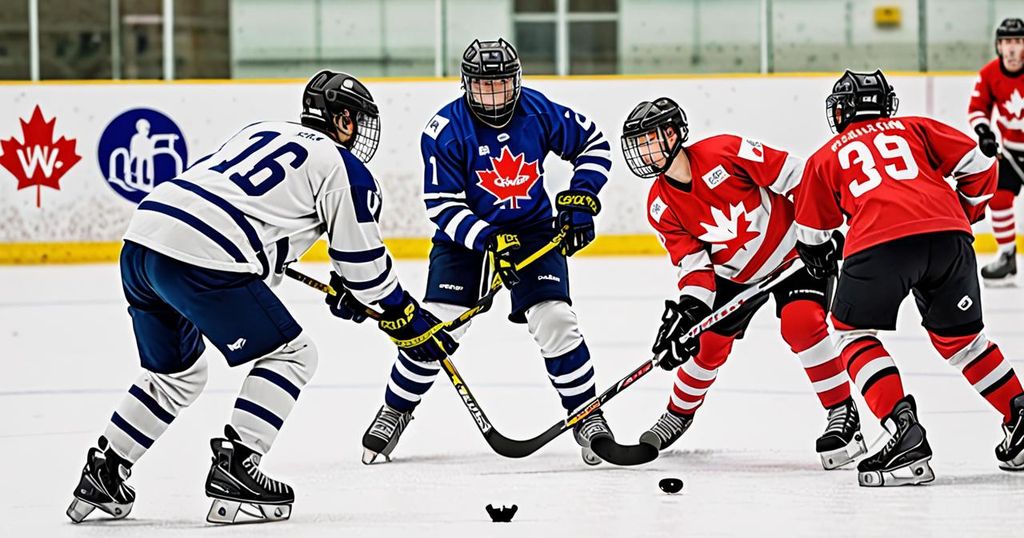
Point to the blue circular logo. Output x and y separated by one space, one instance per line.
139 150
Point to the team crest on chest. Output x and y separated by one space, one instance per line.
730 232
510 178
715 177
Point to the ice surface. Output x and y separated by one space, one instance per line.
748 463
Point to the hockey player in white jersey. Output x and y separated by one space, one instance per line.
198 255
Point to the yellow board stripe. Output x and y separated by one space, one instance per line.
401 248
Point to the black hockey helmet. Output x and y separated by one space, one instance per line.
331 93
859 96
492 61
653 117
1008 29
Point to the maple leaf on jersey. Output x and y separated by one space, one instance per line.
729 234
509 178
38 160
1015 104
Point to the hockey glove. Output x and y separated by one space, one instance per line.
500 248
577 209
408 321
344 304
822 261
670 349
986 140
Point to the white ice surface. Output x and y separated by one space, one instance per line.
748 464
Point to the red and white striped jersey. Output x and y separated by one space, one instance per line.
1004 92
733 219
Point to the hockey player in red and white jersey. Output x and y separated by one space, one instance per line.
1000 88
909 232
721 209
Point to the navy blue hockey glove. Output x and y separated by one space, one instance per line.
407 321
822 261
679 317
986 140
500 248
344 304
577 210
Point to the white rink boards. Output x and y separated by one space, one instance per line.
748 463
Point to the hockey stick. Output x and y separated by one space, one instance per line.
482 304
605 447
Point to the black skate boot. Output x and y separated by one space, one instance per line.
103 485
589 429
236 484
842 441
383 434
1002 271
667 430
904 459
1010 452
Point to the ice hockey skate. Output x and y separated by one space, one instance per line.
904 459
1002 271
383 434
1010 452
103 485
667 430
241 493
842 442
586 431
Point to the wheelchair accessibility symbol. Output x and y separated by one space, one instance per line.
140 149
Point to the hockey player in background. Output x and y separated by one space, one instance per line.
1000 87
722 210
198 255
484 189
909 232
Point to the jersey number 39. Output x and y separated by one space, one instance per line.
898 162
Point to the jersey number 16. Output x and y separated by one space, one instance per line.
267 173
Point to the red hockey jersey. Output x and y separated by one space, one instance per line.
733 219
997 89
888 176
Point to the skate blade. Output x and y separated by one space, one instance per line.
79 510
844 456
225 512
1005 282
371 458
918 472
1014 465
589 457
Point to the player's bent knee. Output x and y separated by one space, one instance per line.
179 390
448 312
297 360
802 324
845 337
959 350
554 327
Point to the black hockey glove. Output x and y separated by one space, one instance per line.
500 248
408 321
577 210
344 304
986 140
822 261
679 317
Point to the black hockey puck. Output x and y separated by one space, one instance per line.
503 514
671 485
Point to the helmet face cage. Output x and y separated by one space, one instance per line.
871 90
492 78
366 137
1009 29
658 118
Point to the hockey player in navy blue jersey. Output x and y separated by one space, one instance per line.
197 258
483 157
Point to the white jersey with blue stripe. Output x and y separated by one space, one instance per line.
262 199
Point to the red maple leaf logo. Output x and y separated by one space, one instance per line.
730 230
38 161
744 235
510 178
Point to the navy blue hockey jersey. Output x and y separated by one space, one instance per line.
478 179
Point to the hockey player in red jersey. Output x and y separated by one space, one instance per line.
1000 87
720 208
909 232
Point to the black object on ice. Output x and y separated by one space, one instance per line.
670 485
503 514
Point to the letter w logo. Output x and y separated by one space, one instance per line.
38 156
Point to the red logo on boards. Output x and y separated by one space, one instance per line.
510 178
38 161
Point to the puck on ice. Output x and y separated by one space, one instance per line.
503 514
670 485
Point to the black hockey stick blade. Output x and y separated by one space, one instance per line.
625 455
